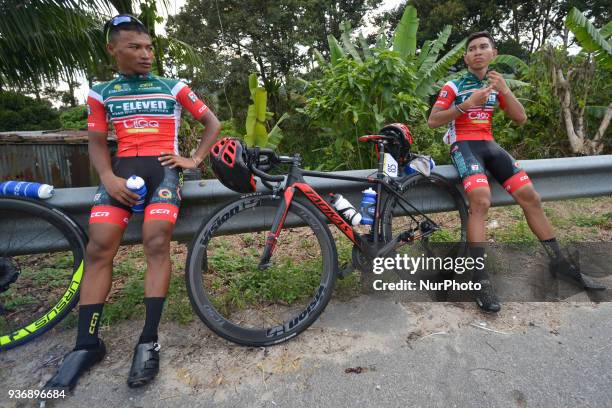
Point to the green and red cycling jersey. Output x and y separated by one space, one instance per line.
476 122
470 135
145 111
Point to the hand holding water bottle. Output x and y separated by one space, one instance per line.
116 187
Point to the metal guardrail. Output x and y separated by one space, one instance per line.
554 179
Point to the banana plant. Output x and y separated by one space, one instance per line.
432 70
590 38
404 42
257 116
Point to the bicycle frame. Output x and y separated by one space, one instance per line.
295 181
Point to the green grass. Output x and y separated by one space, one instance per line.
517 232
582 220
239 284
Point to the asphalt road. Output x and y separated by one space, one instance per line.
397 355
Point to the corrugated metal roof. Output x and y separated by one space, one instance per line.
47 136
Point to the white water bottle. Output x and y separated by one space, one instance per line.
26 189
137 185
346 209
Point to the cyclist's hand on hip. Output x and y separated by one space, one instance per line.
478 97
174 160
497 82
116 188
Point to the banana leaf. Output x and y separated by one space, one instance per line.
404 38
589 37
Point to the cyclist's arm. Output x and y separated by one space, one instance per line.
212 126
97 123
444 112
512 107
99 154
198 109
507 101
442 116
100 158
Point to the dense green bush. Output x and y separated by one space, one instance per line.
74 118
353 99
20 112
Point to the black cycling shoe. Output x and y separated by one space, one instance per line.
569 270
145 364
74 365
486 299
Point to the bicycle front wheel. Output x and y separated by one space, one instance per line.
41 266
255 306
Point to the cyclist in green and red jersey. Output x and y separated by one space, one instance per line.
466 105
145 112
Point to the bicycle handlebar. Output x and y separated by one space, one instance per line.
272 158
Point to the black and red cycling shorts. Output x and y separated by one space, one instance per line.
472 158
163 197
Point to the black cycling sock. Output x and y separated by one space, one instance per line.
89 322
551 246
154 307
478 251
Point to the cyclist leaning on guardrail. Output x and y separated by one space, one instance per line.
145 112
466 105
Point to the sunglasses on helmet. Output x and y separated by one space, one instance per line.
118 20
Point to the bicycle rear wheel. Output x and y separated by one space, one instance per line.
41 265
443 204
260 307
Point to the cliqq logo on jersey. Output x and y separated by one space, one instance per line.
479 115
140 124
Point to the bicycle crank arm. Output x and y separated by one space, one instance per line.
408 236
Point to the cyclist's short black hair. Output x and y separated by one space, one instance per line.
131 26
480 34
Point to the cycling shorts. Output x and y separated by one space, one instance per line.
472 158
163 192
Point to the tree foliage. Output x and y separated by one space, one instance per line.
20 112
74 118
271 38
352 99
46 40
519 26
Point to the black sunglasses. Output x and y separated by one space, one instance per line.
118 20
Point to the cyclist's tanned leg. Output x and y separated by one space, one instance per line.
530 202
102 247
479 203
156 235
104 240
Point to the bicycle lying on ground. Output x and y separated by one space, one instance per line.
41 266
263 267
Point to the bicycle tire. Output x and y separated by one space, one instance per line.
62 231
204 271
433 187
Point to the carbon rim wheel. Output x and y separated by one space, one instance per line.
41 266
248 305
